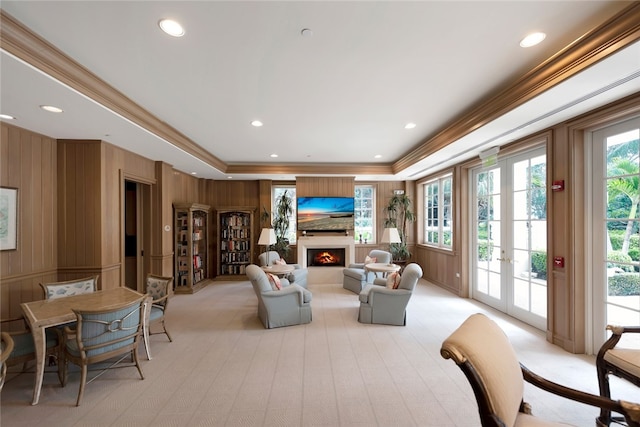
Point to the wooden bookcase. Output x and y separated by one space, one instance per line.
192 266
235 241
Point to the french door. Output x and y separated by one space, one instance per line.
615 224
509 259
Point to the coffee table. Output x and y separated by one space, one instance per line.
381 267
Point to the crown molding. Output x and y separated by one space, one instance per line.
617 33
19 41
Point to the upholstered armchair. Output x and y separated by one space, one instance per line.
354 276
100 335
618 361
297 276
288 306
388 306
484 354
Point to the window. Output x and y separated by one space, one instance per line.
438 230
291 192
364 204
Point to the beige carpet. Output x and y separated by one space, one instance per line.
225 369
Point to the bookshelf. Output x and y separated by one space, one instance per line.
192 267
235 241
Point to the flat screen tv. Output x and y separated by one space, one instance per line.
325 213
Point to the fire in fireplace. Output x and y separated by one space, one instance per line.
326 257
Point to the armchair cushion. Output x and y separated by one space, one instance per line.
626 358
393 280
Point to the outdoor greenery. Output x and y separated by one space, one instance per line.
539 264
284 209
485 250
624 284
399 215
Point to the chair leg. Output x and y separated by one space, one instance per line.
83 380
145 339
165 331
134 355
603 383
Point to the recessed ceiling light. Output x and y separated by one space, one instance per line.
409 125
274 155
532 39
377 156
51 108
7 117
229 177
306 32
194 173
171 27
256 123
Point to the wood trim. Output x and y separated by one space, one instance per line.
19 41
617 33
32 274
311 168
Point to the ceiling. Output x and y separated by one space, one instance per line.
329 102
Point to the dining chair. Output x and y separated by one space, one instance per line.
159 289
618 361
24 350
68 288
100 335
484 354
6 347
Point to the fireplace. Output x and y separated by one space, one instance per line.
331 274
326 257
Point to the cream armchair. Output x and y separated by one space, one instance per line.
297 276
379 304
483 352
288 306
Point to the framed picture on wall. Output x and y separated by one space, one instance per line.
8 218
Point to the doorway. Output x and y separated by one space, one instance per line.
509 232
136 233
616 229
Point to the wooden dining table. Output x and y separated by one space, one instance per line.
53 312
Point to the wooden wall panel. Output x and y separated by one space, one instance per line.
325 186
28 162
80 204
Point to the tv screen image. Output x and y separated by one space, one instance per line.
325 213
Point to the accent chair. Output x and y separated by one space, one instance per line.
619 361
382 305
288 306
484 354
354 277
297 276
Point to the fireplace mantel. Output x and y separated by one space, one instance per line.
326 274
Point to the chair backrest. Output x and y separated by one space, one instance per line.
158 287
68 288
104 333
410 276
381 256
485 355
268 258
259 279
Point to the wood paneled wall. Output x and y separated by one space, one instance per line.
28 162
307 186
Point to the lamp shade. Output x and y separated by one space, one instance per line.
391 235
267 237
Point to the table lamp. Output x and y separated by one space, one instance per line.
391 236
267 238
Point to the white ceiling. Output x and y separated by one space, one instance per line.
342 95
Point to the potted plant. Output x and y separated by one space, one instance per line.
399 215
281 222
